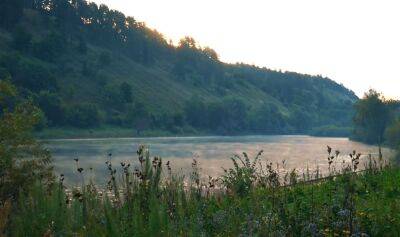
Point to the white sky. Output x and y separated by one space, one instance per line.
354 42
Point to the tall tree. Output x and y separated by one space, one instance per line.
371 118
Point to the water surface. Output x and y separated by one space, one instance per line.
212 152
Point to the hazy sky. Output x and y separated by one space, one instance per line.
354 42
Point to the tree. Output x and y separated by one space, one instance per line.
371 118
34 76
187 42
23 160
50 47
392 134
126 92
300 120
234 115
196 113
138 117
84 115
210 53
267 120
51 105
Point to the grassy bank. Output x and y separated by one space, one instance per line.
108 132
252 199
117 132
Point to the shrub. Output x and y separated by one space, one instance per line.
83 115
23 160
51 105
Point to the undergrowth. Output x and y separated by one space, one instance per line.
251 199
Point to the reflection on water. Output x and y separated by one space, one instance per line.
212 153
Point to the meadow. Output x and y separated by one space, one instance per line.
251 199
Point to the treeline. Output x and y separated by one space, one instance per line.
86 66
82 21
377 120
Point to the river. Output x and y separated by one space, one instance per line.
211 152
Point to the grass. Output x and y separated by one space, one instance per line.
251 199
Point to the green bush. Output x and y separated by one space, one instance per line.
23 160
51 105
392 134
83 115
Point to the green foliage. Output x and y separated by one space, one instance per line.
82 46
145 198
126 92
373 116
392 137
28 74
115 62
11 12
83 115
52 107
242 177
268 120
392 134
22 39
104 59
22 159
50 47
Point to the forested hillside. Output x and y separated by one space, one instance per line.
88 66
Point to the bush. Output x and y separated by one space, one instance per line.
52 107
392 134
23 160
83 115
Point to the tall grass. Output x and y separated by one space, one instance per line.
251 199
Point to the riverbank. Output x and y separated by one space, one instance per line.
120 132
108 132
243 202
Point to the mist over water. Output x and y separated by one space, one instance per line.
212 153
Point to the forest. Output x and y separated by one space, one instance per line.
88 67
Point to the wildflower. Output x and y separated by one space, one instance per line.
362 213
313 229
346 232
329 149
61 178
344 213
219 218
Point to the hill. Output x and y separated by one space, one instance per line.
89 67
